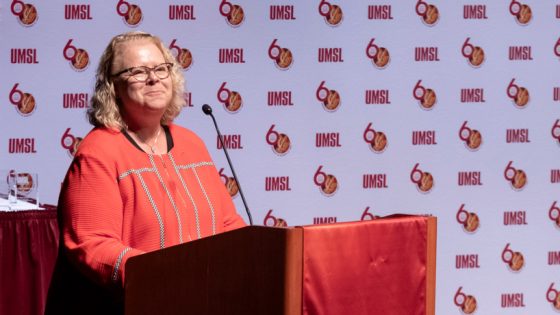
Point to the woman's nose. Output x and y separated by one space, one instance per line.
152 77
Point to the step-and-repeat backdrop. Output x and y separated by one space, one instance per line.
334 111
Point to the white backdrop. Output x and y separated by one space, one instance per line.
365 60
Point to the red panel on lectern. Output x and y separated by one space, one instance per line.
374 267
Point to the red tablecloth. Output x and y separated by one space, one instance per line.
375 267
28 249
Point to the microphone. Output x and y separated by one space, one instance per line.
208 111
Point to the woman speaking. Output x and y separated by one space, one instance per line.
138 183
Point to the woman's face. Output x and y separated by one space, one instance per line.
141 98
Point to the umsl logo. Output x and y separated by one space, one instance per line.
424 181
77 12
476 11
70 142
230 183
131 13
79 58
21 145
181 12
282 56
279 142
328 184
23 182
377 140
554 176
469 220
324 220
426 97
231 100
270 220
75 100
521 12
557 48
182 55
24 102
424 137
517 178
379 55
555 131
474 54
554 214
553 296
428 12
466 303
514 260
27 55
187 96
25 12
233 13
282 12
368 216
330 98
519 95
471 137
331 13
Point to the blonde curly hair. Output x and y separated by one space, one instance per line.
105 108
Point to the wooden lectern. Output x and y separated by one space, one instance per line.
383 266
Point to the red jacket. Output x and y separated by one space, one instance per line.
118 201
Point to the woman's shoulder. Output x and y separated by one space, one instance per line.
188 142
182 134
178 129
99 140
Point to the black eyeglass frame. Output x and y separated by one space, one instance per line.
147 71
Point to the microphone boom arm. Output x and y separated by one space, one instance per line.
208 111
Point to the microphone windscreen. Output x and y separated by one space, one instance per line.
207 109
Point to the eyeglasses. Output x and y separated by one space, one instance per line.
142 73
